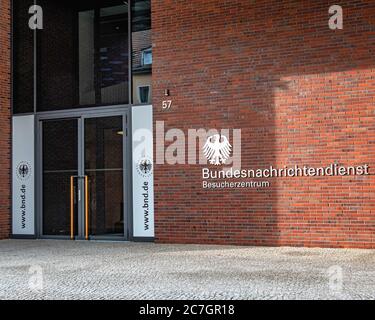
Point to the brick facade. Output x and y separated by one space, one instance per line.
5 119
301 93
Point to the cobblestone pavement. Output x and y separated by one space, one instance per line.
107 270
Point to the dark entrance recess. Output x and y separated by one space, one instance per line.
80 75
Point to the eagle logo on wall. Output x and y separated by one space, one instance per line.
217 149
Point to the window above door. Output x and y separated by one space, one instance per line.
83 54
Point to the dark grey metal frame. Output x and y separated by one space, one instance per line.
81 115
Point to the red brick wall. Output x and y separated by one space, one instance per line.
5 119
301 93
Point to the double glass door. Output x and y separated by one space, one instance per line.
82 178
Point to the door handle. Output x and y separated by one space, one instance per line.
86 181
86 207
72 207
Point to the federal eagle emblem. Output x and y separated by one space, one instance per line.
145 167
217 149
23 170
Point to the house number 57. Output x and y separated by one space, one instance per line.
167 104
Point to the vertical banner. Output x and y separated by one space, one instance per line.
23 176
143 166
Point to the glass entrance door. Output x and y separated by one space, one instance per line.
60 163
82 178
103 167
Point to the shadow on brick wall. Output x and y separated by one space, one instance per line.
301 93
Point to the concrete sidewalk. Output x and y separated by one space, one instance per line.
104 270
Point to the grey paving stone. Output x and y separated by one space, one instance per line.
113 270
